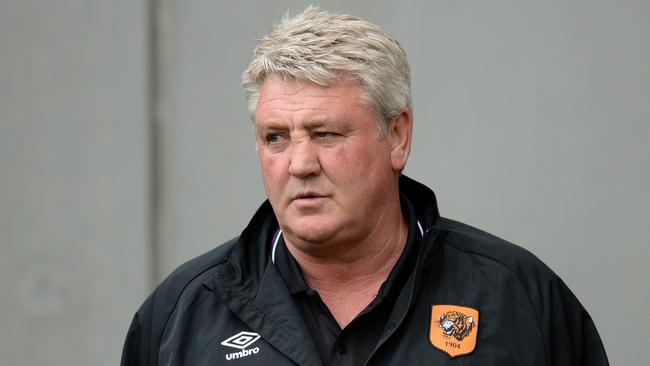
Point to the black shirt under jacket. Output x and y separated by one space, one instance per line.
353 344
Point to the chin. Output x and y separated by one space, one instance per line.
311 231
313 236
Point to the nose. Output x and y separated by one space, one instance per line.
304 160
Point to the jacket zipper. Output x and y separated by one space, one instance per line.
415 273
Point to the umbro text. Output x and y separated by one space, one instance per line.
242 353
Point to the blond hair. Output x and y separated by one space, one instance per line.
320 47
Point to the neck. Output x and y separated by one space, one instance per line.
355 264
348 275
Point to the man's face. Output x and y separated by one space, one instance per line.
327 171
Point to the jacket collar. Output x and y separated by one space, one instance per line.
423 200
253 290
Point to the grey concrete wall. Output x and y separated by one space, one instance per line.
73 179
531 122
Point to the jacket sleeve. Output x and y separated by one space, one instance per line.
144 337
570 335
130 350
138 349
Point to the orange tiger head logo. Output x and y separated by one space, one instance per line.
456 324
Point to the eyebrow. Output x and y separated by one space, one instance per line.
310 125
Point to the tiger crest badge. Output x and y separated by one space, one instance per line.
453 329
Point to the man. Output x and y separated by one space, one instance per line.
349 262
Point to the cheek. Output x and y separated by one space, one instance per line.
335 157
339 164
368 158
355 160
273 169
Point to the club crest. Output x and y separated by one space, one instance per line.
453 329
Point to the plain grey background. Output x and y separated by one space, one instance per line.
125 149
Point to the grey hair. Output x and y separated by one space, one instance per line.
321 47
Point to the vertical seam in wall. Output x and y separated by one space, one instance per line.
156 118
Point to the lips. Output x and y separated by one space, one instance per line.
309 201
307 196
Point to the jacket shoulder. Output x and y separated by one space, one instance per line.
145 333
186 275
193 268
529 271
474 241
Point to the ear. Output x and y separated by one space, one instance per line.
399 137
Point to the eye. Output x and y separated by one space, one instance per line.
324 135
275 138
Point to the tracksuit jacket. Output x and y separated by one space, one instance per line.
471 299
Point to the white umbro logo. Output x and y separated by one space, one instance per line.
241 341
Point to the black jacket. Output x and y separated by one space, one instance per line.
211 310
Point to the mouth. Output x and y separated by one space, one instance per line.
308 200
307 196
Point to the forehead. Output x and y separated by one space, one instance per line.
290 98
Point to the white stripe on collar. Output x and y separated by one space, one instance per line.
276 239
420 227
